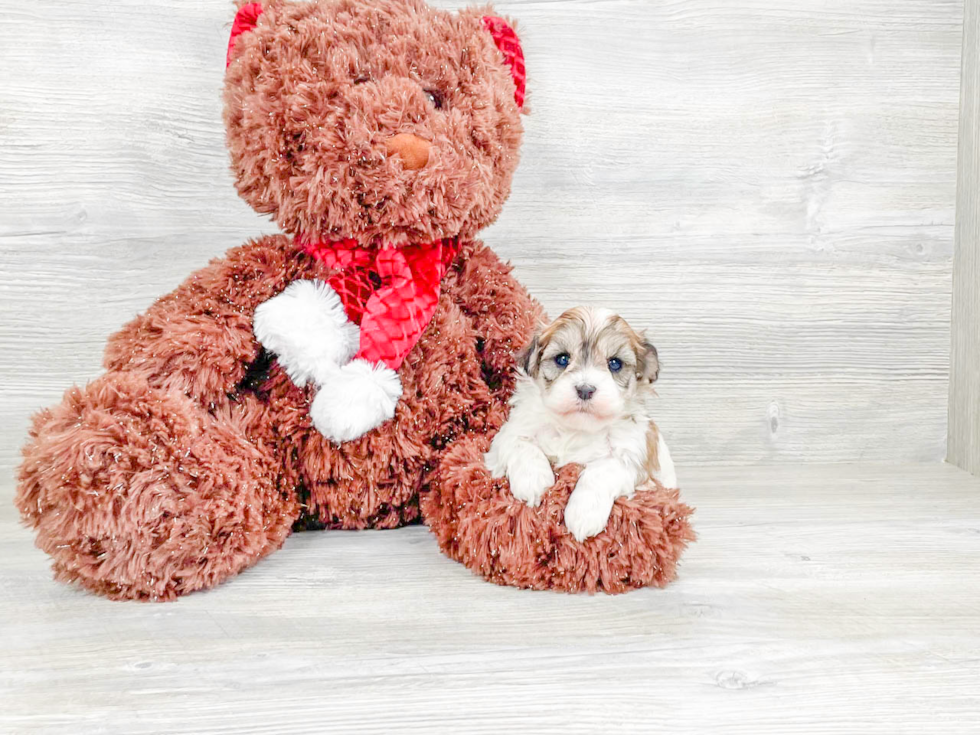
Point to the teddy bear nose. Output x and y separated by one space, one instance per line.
413 150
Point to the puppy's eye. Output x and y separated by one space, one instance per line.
615 364
436 98
562 360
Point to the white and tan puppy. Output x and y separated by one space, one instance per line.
581 398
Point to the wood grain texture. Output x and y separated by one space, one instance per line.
817 600
768 185
964 382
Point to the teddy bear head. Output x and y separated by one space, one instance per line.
387 122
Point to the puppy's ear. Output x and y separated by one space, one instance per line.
528 359
647 362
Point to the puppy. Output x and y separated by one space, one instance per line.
581 397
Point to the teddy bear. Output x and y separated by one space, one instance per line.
347 373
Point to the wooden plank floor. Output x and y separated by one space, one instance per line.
818 599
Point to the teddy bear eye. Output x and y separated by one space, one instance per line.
362 78
435 97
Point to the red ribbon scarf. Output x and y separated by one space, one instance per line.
391 293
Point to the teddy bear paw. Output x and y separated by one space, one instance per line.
354 399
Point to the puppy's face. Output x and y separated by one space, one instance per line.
591 367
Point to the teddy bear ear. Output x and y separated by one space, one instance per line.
509 44
245 20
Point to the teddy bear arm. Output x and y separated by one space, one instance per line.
503 313
198 340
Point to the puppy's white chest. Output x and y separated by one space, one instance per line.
564 447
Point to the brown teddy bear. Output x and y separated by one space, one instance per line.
332 376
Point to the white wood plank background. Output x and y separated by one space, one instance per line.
767 184
964 384
817 600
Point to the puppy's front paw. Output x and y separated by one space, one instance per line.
587 513
529 479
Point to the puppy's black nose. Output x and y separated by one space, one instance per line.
585 392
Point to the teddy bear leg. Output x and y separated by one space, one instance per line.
477 521
140 493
